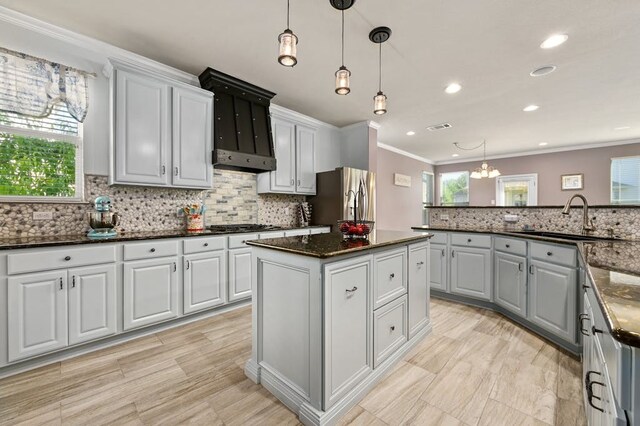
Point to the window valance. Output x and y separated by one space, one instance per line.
31 86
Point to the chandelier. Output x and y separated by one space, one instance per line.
485 170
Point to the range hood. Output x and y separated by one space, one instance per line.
241 123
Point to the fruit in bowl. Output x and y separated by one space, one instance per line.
355 229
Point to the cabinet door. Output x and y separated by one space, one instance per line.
283 178
418 288
511 282
37 314
239 274
305 161
142 126
205 277
192 130
348 346
150 291
471 272
552 298
92 303
438 267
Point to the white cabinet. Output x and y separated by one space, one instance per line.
389 330
150 291
204 280
239 274
418 287
294 146
438 272
552 298
37 314
390 276
162 131
511 282
471 272
347 346
92 303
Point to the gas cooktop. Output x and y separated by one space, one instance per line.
241 227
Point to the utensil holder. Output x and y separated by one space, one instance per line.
195 222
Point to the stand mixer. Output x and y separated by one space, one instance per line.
102 221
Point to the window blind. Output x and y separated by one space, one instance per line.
625 180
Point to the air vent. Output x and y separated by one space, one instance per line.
441 126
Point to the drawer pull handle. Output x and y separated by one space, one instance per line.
206 244
589 387
67 258
583 331
352 290
549 253
153 250
420 263
507 245
595 330
392 275
584 286
393 327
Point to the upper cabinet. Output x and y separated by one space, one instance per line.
162 131
294 145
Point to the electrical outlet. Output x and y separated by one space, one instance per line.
42 215
444 217
179 212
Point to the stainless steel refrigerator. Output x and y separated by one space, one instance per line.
335 195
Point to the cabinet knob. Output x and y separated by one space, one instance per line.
67 258
468 240
393 327
206 244
549 253
392 275
153 250
595 330
507 245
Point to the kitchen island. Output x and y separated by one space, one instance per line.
332 316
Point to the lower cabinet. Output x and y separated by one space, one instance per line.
418 287
552 298
347 328
471 272
150 291
239 274
438 266
204 280
511 282
389 329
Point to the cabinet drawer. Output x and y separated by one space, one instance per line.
150 250
510 245
201 245
389 278
389 329
438 237
62 257
296 232
240 240
555 254
471 240
271 234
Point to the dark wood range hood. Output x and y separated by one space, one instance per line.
241 123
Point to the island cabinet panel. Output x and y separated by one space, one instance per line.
390 277
284 313
552 300
204 280
438 267
511 282
347 348
418 287
471 272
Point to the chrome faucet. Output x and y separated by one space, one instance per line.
587 224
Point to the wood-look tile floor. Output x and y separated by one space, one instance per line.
475 368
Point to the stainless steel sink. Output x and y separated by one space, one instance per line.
570 237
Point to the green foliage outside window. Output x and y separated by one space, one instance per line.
454 189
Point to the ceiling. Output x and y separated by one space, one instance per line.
488 46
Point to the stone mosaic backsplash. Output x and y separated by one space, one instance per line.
625 222
233 199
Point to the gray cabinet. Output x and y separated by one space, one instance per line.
438 273
552 298
239 274
511 282
471 271
418 287
204 280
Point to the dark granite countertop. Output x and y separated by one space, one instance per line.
324 246
77 239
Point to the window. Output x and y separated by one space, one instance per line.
625 180
517 190
454 189
40 158
427 195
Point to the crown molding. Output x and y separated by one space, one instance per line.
405 153
280 111
109 51
367 123
541 151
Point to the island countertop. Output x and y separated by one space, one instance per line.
324 246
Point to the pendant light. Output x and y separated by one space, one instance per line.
343 74
379 35
288 45
485 170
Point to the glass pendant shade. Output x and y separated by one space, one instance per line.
288 48
485 171
380 104
342 81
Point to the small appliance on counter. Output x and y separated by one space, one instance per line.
102 221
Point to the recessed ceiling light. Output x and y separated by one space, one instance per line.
543 143
411 133
455 155
539 72
554 41
453 88
530 108
622 128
